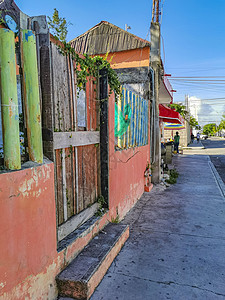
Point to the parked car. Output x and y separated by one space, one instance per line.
203 136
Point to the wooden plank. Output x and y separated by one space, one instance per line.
80 198
65 215
123 137
87 178
75 127
94 111
71 89
139 120
142 122
69 181
60 77
74 139
74 88
119 104
67 97
136 120
76 221
76 204
133 118
58 179
47 101
89 175
88 110
126 136
146 122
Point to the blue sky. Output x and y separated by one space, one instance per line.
192 31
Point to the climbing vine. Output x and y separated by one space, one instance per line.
87 66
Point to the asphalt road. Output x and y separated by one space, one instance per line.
215 148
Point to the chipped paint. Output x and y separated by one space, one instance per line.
29 234
2 285
32 97
9 101
30 185
28 34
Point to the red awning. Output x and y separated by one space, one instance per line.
169 115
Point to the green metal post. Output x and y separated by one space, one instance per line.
9 100
31 95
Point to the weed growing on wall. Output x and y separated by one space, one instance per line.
101 206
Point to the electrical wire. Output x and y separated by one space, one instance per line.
164 55
162 11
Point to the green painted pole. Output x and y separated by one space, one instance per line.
31 95
9 100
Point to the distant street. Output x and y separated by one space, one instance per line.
215 148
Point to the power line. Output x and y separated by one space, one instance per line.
172 77
210 99
194 87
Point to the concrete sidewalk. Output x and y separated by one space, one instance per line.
176 248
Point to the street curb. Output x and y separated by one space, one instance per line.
218 179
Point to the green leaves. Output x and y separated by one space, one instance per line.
181 109
194 123
89 67
210 129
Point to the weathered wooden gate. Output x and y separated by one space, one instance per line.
70 137
75 148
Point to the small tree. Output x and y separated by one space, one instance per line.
222 124
58 26
194 123
210 129
181 109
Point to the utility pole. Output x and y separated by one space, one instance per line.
156 12
155 64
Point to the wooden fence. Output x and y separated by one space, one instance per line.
76 149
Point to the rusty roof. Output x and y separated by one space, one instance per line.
106 37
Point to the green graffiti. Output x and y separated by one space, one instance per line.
122 120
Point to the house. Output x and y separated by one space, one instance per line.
130 56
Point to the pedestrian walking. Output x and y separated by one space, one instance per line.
198 137
192 138
176 142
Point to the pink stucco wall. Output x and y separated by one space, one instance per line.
29 261
27 221
126 171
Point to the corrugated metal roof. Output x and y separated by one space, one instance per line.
106 37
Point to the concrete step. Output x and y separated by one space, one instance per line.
80 278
